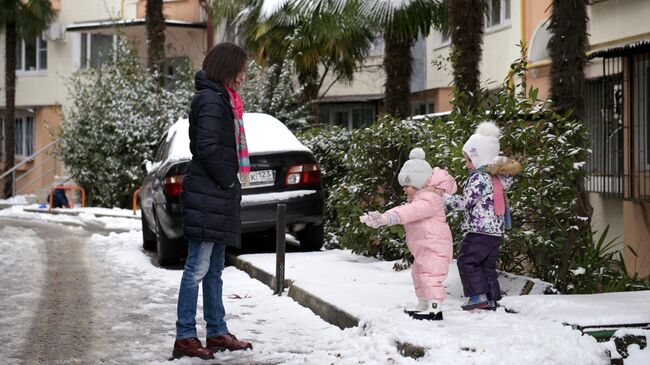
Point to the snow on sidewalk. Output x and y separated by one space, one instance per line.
370 290
138 303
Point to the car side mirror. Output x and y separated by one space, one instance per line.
145 166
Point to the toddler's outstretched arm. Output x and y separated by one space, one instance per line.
471 193
376 219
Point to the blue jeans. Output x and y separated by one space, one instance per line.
204 264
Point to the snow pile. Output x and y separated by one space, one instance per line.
141 316
21 269
18 200
264 134
82 217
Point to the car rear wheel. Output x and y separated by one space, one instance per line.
168 249
311 237
148 237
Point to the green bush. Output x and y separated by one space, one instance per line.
329 144
362 176
271 90
117 116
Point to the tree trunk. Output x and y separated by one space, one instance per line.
466 23
155 22
309 80
567 47
398 65
10 104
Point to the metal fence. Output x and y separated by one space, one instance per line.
617 112
604 118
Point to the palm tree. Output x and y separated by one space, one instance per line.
155 22
466 19
25 19
567 47
226 12
320 43
400 22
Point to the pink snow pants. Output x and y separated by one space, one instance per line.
429 272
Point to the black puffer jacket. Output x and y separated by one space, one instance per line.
211 194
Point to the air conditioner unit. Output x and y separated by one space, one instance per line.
55 32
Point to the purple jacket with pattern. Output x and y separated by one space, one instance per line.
477 204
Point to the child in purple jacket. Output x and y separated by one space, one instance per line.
486 215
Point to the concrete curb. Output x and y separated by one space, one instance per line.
76 213
328 312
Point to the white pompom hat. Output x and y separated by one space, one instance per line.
416 171
483 146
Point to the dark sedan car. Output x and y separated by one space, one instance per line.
283 171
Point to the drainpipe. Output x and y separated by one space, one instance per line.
522 14
522 37
208 26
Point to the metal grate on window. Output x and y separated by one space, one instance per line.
619 166
639 131
604 119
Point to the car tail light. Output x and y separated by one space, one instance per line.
173 185
307 174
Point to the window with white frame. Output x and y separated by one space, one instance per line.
498 14
95 48
24 136
31 54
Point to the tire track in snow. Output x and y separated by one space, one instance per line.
61 330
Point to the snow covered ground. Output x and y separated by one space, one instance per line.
134 308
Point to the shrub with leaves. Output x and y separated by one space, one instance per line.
271 90
372 162
542 199
117 116
330 144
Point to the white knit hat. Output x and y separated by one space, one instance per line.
483 146
416 171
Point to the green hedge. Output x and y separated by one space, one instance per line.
361 167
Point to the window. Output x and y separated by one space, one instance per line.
31 54
349 116
445 38
498 14
24 136
95 48
422 108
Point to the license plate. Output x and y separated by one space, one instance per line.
262 178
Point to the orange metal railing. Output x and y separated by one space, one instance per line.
135 200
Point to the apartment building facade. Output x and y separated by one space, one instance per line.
83 32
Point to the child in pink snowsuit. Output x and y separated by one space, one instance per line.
428 236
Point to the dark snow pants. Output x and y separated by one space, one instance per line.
477 265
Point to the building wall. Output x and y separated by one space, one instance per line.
617 22
47 87
637 236
369 80
44 168
44 93
186 10
607 212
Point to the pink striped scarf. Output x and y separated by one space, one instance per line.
240 136
501 207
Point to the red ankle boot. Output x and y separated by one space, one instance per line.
227 342
191 347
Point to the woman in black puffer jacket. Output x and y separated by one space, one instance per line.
211 199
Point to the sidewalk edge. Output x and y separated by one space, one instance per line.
327 311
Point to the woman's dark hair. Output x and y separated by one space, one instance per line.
224 62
